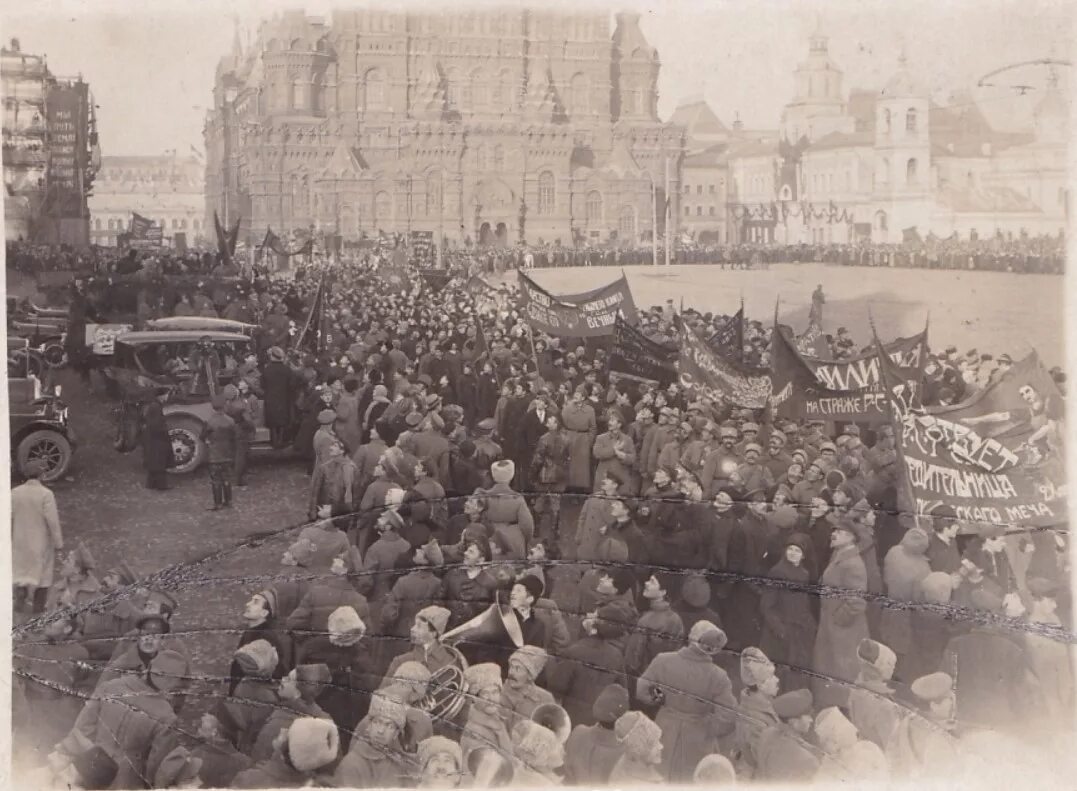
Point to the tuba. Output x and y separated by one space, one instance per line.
554 718
446 691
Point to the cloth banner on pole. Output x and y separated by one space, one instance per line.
437 279
140 226
728 340
597 299
553 315
841 390
637 355
996 459
725 381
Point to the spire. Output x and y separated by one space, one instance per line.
818 40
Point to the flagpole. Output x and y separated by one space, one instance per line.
654 224
668 206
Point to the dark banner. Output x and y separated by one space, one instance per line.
587 319
476 286
840 390
997 458
635 354
728 340
437 279
140 226
422 243
725 381
67 123
599 300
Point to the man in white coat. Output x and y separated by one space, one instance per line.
35 539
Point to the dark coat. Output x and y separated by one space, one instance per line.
789 626
156 446
582 672
278 383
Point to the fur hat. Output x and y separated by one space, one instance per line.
411 672
437 745
388 708
935 686
715 770
936 587
479 677
537 746
877 657
532 657
834 728
708 635
610 704
503 471
637 733
793 704
346 621
696 591
437 617
532 584
312 743
178 766
258 658
486 426
276 353
755 667
327 416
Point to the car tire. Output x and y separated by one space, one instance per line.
54 354
52 447
188 450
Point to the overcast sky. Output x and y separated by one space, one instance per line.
150 65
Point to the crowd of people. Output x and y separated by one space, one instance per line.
521 569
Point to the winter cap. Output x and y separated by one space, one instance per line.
388 708
834 728
708 635
537 746
258 658
413 419
935 686
483 676
755 667
230 391
312 679
793 704
613 620
381 391
503 471
696 591
436 617
439 745
715 769
532 658
312 743
750 427
753 446
302 551
411 672
877 656
610 704
346 621
532 584
327 416
637 732
179 766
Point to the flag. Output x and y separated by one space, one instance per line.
996 458
584 315
223 240
728 340
140 226
314 337
725 381
634 354
844 390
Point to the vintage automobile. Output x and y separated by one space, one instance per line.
44 328
37 418
201 323
178 361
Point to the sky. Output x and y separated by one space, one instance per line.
151 65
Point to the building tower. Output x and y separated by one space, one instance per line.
818 106
902 158
633 72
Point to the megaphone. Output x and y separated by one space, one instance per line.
555 719
489 768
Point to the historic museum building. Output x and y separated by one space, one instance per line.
490 126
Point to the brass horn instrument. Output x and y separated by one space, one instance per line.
446 690
554 718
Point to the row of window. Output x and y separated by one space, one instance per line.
711 188
910 121
178 224
712 211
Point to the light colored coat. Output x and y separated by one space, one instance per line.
842 625
35 535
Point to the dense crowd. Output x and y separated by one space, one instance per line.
521 569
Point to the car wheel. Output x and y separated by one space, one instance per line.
54 355
49 447
188 449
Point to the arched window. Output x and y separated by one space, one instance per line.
594 207
910 171
383 206
699 211
546 193
112 225
579 90
884 171
880 221
97 224
886 121
183 224
626 223
317 93
374 94
910 120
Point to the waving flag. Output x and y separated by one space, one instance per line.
728 340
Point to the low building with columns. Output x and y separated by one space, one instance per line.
488 126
